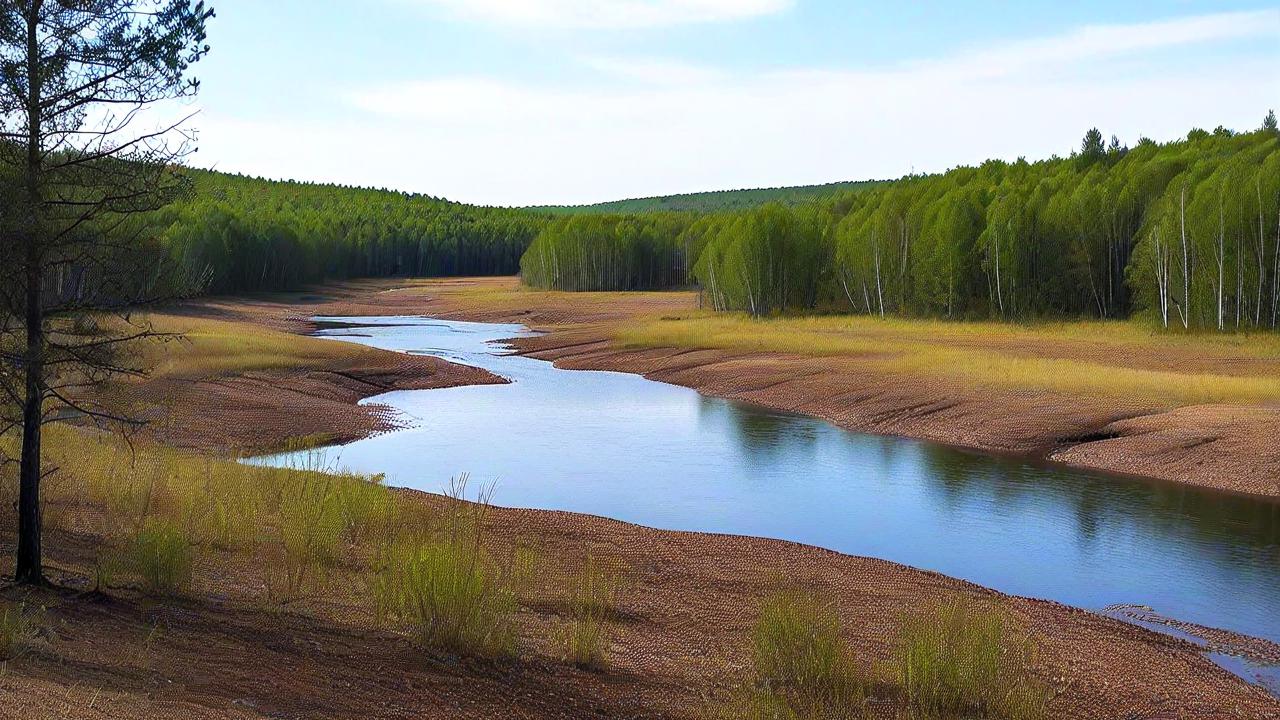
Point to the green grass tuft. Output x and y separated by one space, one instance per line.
799 654
960 660
163 557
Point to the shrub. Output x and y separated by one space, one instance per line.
366 505
162 556
311 527
957 659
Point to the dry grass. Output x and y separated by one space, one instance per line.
1097 359
16 630
210 348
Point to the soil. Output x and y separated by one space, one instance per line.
679 639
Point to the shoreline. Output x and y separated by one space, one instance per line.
676 583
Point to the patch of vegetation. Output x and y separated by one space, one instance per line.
162 556
583 643
800 659
592 602
960 660
1095 359
446 587
16 630
714 201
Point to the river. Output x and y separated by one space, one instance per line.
622 446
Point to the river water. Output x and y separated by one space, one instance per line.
646 452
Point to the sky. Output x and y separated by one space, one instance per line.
529 102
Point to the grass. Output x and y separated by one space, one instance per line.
592 601
162 556
210 348
583 644
16 630
800 657
959 660
445 585
1096 359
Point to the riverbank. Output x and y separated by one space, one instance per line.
1197 410
239 642
679 638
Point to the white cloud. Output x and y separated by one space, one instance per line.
610 13
683 128
655 71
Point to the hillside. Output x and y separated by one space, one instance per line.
714 201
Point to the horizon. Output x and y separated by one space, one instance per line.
567 102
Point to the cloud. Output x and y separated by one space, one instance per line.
616 14
680 127
655 71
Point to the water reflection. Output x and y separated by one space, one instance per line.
660 455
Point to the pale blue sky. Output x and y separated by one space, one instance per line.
558 101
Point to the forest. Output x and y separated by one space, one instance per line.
714 201
247 234
1186 233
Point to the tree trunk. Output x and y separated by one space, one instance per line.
30 570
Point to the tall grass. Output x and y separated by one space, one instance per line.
446 587
799 655
16 630
591 603
957 659
162 556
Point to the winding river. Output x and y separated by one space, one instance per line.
622 446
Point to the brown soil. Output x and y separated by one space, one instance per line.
679 641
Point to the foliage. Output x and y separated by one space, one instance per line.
610 252
957 659
717 201
1186 232
250 234
446 587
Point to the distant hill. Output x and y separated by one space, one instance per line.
715 201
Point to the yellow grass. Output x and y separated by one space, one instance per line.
210 347
1101 359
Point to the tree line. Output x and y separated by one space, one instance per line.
1186 232
248 234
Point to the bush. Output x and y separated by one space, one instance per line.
798 651
162 557
957 659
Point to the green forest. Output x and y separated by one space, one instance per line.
1185 232
715 201
245 234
